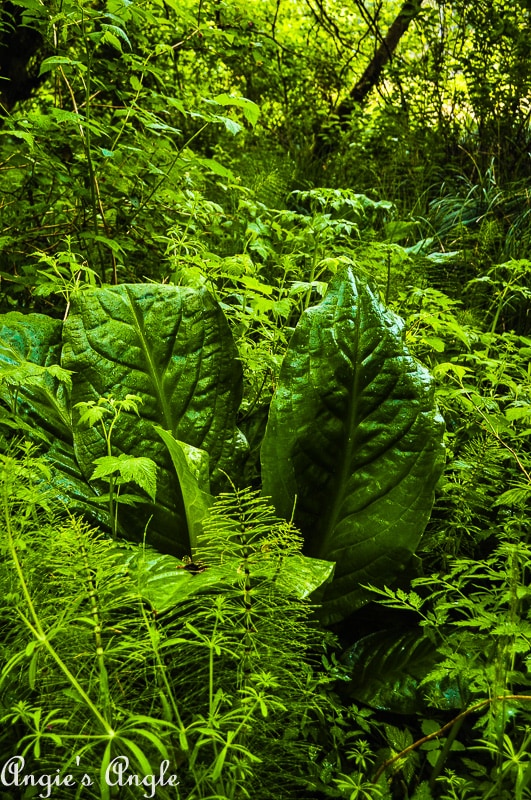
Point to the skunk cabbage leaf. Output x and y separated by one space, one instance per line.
353 445
387 670
30 348
171 346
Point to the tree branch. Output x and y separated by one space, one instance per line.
382 56
435 734
373 71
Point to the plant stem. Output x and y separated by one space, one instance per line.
100 657
462 715
456 727
34 624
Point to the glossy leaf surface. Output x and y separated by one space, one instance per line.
172 347
191 468
353 442
387 671
165 581
30 375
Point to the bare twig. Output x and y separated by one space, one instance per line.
444 728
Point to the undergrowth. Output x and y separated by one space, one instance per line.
222 690
234 686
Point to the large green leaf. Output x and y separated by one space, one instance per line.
31 380
70 487
353 442
387 670
171 346
165 581
191 467
37 389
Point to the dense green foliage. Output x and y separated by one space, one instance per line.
252 255
354 393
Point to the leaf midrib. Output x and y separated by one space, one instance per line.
155 379
339 492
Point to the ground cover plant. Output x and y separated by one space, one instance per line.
264 400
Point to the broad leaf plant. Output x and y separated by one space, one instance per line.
351 451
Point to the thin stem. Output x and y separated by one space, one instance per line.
94 610
456 727
161 671
34 624
112 513
85 140
462 715
497 436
